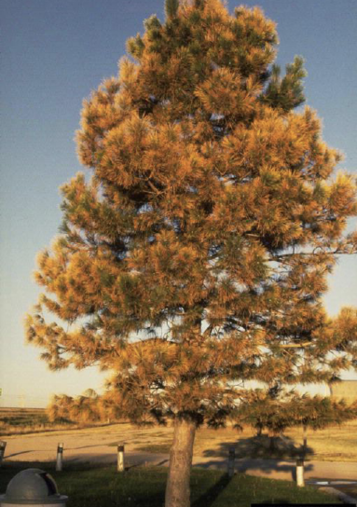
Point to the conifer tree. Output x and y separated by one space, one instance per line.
277 409
196 256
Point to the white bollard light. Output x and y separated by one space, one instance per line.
32 487
120 463
300 473
59 460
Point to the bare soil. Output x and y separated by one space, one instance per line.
332 444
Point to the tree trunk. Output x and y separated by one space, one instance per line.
259 431
178 481
272 446
305 440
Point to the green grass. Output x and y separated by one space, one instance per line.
145 487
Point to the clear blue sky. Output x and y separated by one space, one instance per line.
54 52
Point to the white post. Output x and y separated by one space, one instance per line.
300 473
120 462
231 458
2 451
59 461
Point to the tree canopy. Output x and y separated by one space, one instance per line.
196 255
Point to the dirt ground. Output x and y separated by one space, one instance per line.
333 444
80 443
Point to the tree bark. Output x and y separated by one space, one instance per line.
305 440
178 481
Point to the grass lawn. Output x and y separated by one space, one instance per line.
145 487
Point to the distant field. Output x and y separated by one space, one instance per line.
22 417
21 421
26 420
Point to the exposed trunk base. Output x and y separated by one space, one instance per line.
178 481
272 443
304 449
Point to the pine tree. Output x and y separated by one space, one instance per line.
85 408
196 256
277 409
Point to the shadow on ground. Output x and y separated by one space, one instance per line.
276 501
259 456
208 498
18 454
264 446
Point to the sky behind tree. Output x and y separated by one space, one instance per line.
54 53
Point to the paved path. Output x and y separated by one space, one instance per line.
285 470
79 447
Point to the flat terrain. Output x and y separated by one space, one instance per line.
332 453
21 417
151 446
337 443
26 420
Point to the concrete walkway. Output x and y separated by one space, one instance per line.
284 470
272 469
